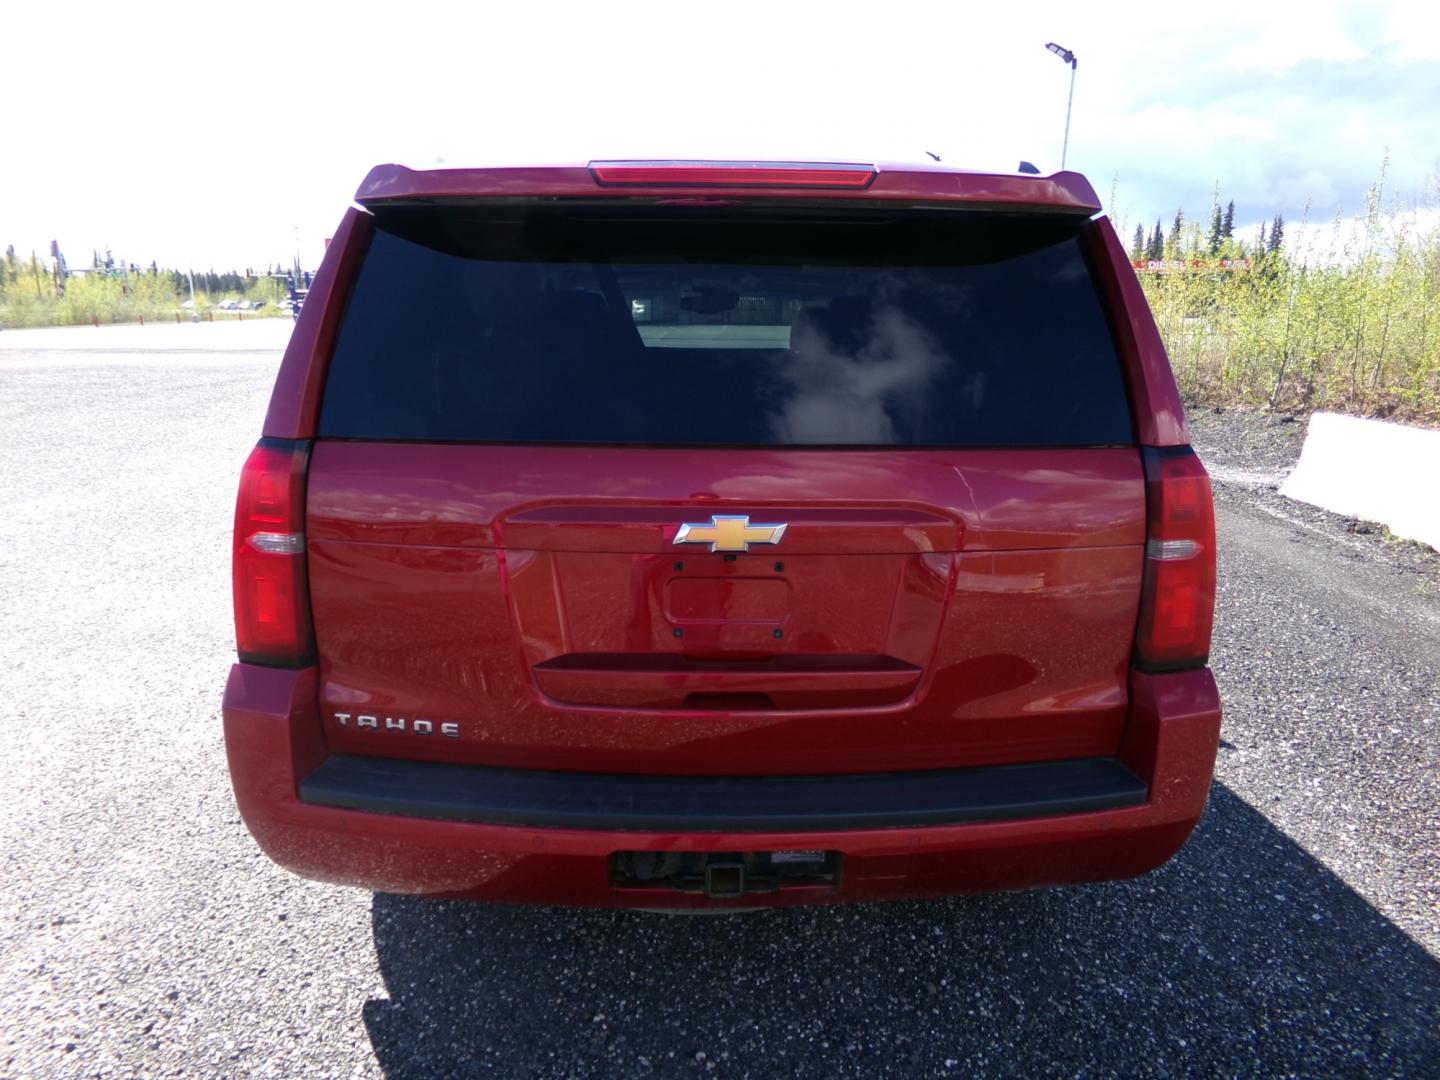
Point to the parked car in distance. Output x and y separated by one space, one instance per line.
711 535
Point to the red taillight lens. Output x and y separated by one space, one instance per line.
272 602
1177 605
732 174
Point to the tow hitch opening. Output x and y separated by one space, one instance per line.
724 880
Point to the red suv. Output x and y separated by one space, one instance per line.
705 534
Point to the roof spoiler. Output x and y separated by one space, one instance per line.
1062 192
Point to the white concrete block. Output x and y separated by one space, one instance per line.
1374 470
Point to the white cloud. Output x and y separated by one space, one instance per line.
1278 39
198 133
1312 186
1178 126
1414 32
1326 242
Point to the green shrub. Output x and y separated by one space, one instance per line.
1354 327
28 296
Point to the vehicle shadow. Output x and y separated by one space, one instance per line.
1243 956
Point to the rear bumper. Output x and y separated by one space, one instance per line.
276 750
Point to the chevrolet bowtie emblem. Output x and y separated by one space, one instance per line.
728 532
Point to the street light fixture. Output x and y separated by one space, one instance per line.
1069 58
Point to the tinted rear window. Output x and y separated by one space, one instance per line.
668 327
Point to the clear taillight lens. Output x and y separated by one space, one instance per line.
1177 605
272 602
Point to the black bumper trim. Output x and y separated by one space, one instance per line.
573 800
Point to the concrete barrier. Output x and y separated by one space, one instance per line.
1374 470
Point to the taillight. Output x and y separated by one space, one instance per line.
732 174
1177 604
272 601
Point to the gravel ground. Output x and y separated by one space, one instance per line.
142 933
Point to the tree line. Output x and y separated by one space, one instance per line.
1219 241
37 292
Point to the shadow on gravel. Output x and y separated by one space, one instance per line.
1243 955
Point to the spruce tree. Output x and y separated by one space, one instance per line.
1216 225
1277 233
1157 242
1173 240
1227 227
1137 246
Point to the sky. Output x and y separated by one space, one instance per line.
223 136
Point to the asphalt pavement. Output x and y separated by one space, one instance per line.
143 933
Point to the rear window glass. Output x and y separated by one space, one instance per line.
669 327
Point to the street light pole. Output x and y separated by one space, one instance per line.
1070 58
